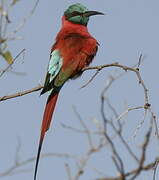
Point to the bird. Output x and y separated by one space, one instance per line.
73 50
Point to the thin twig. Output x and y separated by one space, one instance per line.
6 69
124 143
116 157
155 169
19 164
84 127
21 93
127 111
143 154
68 170
25 19
77 130
139 62
126 68
140 124
92 78
155 123
147 105
147 167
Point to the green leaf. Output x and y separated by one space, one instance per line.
8 57
2 40
14 2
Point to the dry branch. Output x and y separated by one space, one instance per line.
116 156
147 167
98 68
6 69
21 93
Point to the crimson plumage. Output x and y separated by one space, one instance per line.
73 50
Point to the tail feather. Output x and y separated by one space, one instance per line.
49 109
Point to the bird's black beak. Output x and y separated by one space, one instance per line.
92 13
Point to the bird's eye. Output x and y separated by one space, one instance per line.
74 13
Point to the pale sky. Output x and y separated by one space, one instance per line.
128 29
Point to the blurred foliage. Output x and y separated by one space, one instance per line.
5 36
14 2
8 57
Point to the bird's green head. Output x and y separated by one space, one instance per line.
79 14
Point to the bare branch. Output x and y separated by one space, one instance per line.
126 68
88 133
127 111
77 130
19 164
21 93
25 19
6 69
68 170
143 155
147 167
124 142
92 78
116 157
155 123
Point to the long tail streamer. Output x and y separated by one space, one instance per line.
49 109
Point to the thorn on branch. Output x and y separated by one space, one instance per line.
139 63
125 69
81 172
147 106
99 68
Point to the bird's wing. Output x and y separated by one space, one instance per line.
77 52
54 67
69 56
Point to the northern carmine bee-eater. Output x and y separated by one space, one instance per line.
73 50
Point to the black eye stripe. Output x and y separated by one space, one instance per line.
74 13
